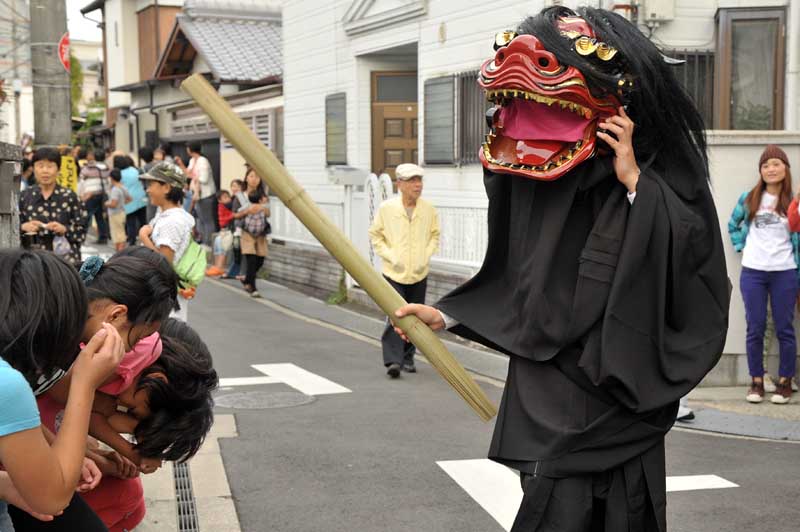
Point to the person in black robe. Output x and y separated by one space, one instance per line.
604 279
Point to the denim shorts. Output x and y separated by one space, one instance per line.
5 521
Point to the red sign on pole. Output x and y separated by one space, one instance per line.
63 51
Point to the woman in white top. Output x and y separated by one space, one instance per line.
759 227
170 232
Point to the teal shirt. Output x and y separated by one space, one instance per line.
18 410
739 225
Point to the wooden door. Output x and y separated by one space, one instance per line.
394 123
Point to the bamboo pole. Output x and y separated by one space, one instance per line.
298 201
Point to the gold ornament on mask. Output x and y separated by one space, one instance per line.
605 52
586 45
503 38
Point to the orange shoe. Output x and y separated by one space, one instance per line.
213 271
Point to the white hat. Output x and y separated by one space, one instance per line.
406 171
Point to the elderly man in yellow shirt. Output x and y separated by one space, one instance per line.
405 235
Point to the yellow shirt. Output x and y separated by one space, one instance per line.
406 246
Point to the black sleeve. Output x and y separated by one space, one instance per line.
667 316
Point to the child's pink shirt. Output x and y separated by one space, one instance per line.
144 353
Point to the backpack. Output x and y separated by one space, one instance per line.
191 269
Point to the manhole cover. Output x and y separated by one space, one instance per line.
261 400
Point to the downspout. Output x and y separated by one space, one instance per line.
158 55
793 71
153 112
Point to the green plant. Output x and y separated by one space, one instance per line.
339 296
75 82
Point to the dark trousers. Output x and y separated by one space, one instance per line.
781 287
94 207
253 263
206 210
133 222
395 350
76 517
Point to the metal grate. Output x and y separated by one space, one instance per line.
472 106
187 510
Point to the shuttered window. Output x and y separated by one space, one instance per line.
472 106
336 128
440 120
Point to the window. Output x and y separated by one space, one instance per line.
750 66
455 108
472 107
697 77
439 120
336 129
277 134
396 87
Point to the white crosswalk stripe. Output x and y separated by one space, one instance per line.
298 378
497 489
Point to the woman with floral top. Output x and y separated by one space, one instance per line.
49 207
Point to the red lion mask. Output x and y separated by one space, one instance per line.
545 119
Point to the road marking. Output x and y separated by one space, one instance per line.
497 489
300 379
698 482
246 381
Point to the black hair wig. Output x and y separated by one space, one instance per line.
182 408
146 284
47 154
44 309
667 121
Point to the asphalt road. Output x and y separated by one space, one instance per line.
367 459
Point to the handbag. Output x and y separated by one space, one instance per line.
191 269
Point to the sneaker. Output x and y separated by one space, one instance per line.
684 414
794 384
769 384
393 370
254 294
756 392
783 392
409 368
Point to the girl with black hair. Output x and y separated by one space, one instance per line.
253 219
133 292
44 309
136 208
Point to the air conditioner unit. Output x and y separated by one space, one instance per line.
658 10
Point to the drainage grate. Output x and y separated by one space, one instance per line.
187 510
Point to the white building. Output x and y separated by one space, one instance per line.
374 83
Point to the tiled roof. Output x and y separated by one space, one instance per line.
246 48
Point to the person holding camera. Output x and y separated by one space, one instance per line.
47 210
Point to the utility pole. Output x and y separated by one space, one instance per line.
16 83
52 108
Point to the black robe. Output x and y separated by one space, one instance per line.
610 313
